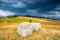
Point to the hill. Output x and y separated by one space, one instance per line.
50 28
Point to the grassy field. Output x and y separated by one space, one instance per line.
50 29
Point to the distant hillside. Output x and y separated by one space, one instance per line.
49 17
31 16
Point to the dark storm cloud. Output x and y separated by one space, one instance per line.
32 7
41 5
44 6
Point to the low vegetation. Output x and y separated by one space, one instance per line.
50 29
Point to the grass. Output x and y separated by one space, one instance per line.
2 37
50 29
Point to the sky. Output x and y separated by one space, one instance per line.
44 8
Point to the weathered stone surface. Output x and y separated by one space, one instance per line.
25 29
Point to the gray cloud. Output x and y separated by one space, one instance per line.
9 1
18 5
6 13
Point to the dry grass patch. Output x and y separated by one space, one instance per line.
50 29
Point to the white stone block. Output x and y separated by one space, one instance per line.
36 26
25 29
